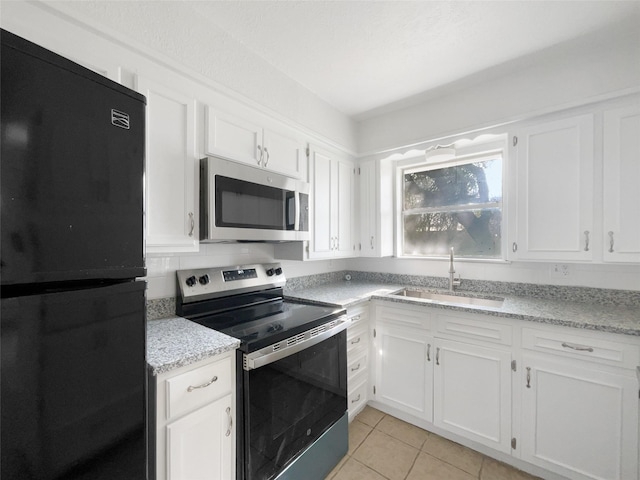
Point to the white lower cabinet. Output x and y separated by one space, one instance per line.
195 414
558 399
580 416
472 392
358 342
404 361
197 442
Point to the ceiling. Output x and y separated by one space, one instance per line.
366 56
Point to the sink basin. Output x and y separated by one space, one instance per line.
458 299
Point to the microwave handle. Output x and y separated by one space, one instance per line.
296 221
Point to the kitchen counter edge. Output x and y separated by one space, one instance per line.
176 342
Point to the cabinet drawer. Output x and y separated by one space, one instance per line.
417 317
581 346
357 367
198 387
357 398
357 337
477 327
358 315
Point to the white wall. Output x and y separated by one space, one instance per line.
74 30
560 77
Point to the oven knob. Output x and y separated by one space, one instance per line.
204 279
278 271
270 272
191 281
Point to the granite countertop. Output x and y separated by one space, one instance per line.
176 342
592 316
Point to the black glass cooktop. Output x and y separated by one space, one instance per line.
258 326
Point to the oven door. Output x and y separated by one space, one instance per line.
289 403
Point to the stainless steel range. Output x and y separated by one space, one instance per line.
291 377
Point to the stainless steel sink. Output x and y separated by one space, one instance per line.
459 299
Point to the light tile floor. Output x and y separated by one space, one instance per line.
381 447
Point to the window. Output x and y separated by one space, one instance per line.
457 204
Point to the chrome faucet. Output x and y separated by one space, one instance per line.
453 281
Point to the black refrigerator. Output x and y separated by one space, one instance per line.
73 376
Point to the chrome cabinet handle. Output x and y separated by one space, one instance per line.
192 224
438 356
356 368
267 160
356 399
228 432
610 242
514 247
204 385
586 240
261 154
428 352
371 242
355 318
353 342
528 377
579 348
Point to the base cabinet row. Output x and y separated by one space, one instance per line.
573 412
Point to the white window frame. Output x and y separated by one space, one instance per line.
466 154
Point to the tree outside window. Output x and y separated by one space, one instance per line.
456 206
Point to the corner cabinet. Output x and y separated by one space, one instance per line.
404 359
555 190
195 412
375 195
171 169
621 213
332 180
256 142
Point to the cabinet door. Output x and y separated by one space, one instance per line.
367 194
472 393
284 153
621 193
343 207
404 369
322 240
200 445
579 421
171 170
555 191
233 137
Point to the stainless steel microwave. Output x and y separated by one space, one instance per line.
243 203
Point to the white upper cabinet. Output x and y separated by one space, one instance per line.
332 205
256 142
375 185
555 191
171 169
621 212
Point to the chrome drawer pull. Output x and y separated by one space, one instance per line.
428 352
353 342
204 385
356 399
579 348
355 318
228 432
528 377
356 368
438 356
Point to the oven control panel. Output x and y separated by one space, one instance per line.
203 283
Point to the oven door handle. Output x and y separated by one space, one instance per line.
295 344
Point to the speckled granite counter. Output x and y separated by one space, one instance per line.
593 316
176 342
